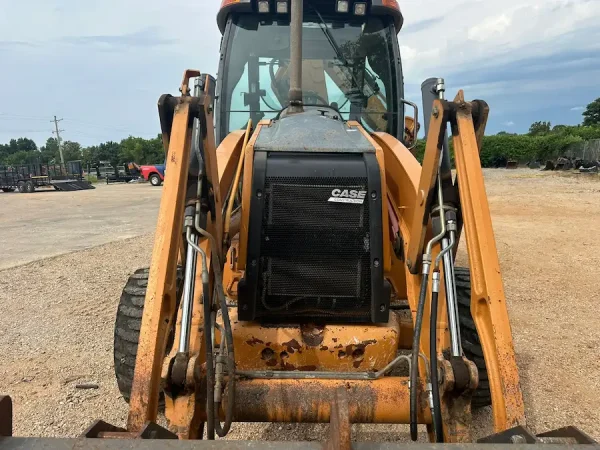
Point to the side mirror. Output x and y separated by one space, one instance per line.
411 126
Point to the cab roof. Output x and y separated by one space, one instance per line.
374 8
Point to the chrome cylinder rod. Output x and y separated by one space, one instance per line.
451 300
188 295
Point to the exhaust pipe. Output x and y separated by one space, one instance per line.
295 94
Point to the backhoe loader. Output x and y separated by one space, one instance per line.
303 268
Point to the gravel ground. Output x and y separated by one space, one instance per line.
56 321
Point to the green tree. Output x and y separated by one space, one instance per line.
142 151
540 128
107 151
71 151
591 115
23 157
560 129
50 152
19 151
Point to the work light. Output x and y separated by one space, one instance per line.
342 6
282 7
263 7
360 9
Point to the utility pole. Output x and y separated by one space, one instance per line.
62 158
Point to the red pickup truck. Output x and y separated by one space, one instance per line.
154 174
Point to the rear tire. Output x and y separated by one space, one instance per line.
155 180
21 187
127 329
471 344
30 187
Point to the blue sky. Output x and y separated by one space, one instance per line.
102 65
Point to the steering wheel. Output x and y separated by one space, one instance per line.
312 98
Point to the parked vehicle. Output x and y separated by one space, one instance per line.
124 174
28 177
154 174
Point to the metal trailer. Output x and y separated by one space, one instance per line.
27 178
124 174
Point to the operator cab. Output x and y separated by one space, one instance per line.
350 66
324 76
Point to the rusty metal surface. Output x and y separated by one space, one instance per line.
340 348
340 430
488 302
378 401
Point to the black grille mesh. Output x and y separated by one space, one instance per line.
315 255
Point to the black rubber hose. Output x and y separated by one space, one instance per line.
210 370
437 407
223 430
414 367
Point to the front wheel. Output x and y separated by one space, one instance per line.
471 344
127 328
155 180
21 187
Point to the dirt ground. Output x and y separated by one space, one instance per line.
49 223
56 321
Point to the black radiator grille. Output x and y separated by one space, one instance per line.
315 254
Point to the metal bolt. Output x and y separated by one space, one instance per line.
409 263
436 112
382 308
373 195
259 194
376 263
253 263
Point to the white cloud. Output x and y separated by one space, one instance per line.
510 123
488 27
578 108
482 33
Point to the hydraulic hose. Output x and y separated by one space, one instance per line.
414 367
210 374
223 430
216 264
437 408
